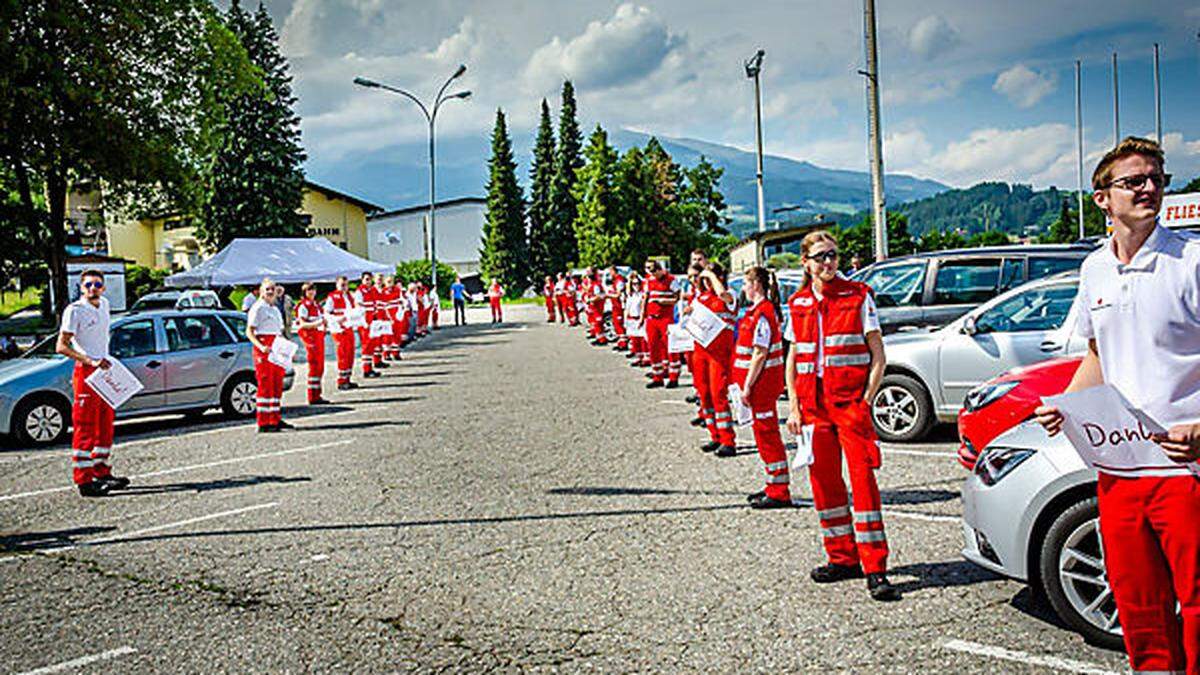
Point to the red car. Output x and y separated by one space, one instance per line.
1005 401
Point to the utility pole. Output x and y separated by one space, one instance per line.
1079 140
1157 98
1116 104
874 132
753 71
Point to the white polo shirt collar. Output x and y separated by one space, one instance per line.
1160 239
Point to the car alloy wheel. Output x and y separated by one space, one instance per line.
44 423
895 410
1084 578
244 398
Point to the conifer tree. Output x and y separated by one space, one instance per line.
541 217
567 160
504 255
600 234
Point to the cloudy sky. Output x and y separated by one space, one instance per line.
972 89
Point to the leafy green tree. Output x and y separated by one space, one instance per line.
122 92
785 261
1193 186
936 240
988 238
600 234
900 241
504 254
541 217
257 178
561 242
421 270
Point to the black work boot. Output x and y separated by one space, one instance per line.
830 573
881 589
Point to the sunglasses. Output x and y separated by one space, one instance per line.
1162 181
825 256
93 284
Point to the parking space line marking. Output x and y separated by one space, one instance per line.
928 517
1028 659
193 467
157 528
82 661
919 453
671 400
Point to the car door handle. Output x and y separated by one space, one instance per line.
153 364
1050 346
225 354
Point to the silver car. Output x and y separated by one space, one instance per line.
1030 513
930 372
189 361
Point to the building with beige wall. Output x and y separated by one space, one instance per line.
170 240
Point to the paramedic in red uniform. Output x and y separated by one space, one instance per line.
1138 295
551 300
758 371
264 324
337 303
83 337
365 297
495 293
310 325
615 290
633 315
662 292
834 368
711 364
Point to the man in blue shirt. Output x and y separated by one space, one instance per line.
457 290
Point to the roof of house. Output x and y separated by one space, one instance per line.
792 231
337 194
457 201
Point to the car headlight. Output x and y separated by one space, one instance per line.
996 463
986 394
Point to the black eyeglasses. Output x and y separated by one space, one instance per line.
824 256
1136 182
93 284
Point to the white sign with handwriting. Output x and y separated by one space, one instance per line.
115 385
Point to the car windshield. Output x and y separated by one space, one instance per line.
897 285
1037 309
153 302
44 349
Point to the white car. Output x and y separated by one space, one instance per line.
930 372
1030 513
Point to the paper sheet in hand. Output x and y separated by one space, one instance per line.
1111 436
115 385
379 328
633 329
678 339
333 324
356 317
703 324
804 448
742 413
282 352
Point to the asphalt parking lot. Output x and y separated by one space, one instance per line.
507 498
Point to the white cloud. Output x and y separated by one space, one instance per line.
1024 86
932 36
1021 155
630 45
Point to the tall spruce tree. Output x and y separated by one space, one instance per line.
599 232
504 254
541 217
257 178
567 161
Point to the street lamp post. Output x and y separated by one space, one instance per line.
753 70
431 117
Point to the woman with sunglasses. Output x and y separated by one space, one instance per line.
264 324
834 368
758 370
711 362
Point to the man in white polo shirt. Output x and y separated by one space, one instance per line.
1139 296
84 338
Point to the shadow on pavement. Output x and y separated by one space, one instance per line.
605 491
33 541
940 575
381 399
918 496
207 486
423 383
435 522
424 373
354 425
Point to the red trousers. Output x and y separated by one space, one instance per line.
344 342
663 364
1151 533
637 345
423 321
433 316
314 353
550 302
270 385
497 313
711 373
618 323
845 428
566 306
366 349
92 438
596 322
770 442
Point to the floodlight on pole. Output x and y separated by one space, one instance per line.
430 113
753 67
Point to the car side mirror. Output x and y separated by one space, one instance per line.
969 327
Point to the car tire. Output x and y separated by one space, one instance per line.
1072 574
41 420
902 409
238 399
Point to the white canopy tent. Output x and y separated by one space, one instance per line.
245 262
